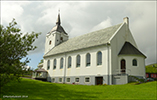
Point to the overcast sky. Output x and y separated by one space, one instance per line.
78 18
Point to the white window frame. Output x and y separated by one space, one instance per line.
54 65
78 65
61 80
61 63
53 80
89 60
136 62
86 81
69 63
98 58
48 64
76 80
67 80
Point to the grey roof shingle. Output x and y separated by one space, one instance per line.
84 41
129 49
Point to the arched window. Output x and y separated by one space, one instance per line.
54 64
69 62
49 42
48 64
78 59
88 59
61 63
134 62
99 58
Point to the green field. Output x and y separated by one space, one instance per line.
34 89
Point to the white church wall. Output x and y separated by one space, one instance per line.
82 71
117 42
138 70
55 38
48 46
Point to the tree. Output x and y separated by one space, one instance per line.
14 46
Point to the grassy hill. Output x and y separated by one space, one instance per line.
34 89
152 68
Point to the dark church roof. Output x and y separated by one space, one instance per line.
129 49
58 26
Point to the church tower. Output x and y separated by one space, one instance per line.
56 36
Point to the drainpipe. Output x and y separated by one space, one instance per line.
64 69
108 60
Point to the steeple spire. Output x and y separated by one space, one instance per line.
58 22
58 26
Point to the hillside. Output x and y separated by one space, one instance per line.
152 68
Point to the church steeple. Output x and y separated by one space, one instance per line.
58 26
56 36
58 22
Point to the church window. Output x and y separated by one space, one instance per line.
50 43
87 79
134 62
78 61
88 59
60 79
76 79
53 79
69 62
48 64
61 38
68 79
54 64
99 58
61 63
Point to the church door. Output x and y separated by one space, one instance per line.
98 80
123 66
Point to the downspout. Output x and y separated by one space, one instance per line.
64 69
108 64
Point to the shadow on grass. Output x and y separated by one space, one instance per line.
43 90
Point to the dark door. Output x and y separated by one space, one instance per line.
99 80
122 66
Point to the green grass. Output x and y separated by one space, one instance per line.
51 91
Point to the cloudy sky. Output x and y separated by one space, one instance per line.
80 17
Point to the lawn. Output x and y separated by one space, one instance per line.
34 89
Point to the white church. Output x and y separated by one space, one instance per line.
107 56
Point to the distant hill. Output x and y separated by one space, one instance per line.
152 68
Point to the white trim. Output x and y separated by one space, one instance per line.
116 32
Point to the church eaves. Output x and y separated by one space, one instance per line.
92 39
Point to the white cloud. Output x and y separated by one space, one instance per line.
102 25
10 10
78 18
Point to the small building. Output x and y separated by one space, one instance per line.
107 56
151 75
40 73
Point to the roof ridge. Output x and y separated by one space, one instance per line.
94 31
